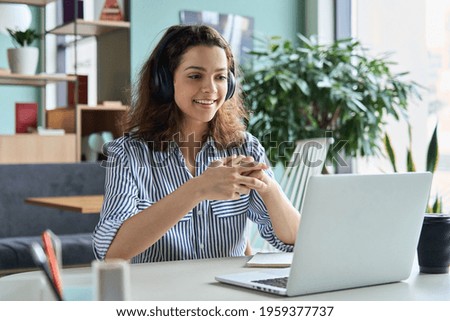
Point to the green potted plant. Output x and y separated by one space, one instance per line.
23 59
433 250
305 89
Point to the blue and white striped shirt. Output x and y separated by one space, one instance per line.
137 177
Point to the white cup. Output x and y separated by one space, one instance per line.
111 280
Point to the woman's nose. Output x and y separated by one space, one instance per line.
209 86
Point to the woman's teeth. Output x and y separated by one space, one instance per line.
204 101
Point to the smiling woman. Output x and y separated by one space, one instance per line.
185 179
200 83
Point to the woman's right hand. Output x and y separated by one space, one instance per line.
226 178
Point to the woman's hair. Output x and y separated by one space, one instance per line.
158 121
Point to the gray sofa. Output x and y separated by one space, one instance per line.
21 223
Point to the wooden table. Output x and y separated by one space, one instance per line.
85 204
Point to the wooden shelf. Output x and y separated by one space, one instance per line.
85 120
34 148
34 80
39 3
103 108
90 28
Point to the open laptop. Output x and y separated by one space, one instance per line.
356 230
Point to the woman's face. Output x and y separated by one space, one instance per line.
200 83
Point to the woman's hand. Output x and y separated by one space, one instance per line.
232 177
248 162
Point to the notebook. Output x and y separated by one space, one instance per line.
270 259
356 230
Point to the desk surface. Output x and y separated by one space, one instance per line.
85 204
194 281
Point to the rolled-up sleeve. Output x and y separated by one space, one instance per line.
257 209
120 201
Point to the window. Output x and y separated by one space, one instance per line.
417 33
438 49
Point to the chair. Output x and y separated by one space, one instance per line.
307 160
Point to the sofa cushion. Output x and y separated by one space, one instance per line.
18 182
15 251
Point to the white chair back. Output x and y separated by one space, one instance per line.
308 159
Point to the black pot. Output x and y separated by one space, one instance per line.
434 244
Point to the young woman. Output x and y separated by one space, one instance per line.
183 181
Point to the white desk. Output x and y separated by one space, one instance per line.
194 281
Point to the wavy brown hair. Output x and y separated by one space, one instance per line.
158 123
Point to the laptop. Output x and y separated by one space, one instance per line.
356 230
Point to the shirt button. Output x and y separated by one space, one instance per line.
201 246
200 212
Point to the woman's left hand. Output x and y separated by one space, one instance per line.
260 174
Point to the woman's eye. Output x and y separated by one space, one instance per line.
194 76
221 77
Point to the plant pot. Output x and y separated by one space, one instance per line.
23 60
434 244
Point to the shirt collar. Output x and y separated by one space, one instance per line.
163 156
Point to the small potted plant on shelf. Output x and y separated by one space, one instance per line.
303 89
433 250
23 59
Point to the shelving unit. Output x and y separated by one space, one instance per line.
40 80
38 3
84 120
89 28
78 120
34 148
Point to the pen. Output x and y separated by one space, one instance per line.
56 242
40 260
52 261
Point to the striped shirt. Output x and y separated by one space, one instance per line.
137 177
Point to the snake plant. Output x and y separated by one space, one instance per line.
431 163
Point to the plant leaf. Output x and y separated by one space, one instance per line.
390 151
410 166
433 152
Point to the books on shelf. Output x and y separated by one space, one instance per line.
68 11
112 103
26 117
50 131
82 91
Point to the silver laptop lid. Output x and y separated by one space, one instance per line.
358 230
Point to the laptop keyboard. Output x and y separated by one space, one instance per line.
278 282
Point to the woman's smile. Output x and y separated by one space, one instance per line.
205 102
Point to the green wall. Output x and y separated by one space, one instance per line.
150 18
9 95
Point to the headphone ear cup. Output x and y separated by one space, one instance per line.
163 84
231 82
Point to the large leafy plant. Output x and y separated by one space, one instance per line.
305 89
432 161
